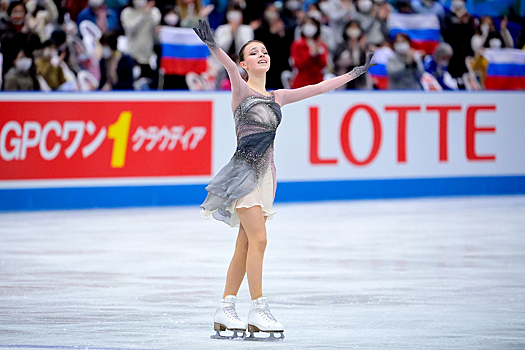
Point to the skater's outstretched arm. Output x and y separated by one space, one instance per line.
204 33
286 96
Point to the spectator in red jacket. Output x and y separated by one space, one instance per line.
309 55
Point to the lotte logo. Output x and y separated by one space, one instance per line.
402 112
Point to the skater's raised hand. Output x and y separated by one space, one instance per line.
204 33
358 71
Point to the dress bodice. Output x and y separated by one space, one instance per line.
257 114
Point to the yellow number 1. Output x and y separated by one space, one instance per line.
119 132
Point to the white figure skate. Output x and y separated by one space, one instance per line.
261 319
226 319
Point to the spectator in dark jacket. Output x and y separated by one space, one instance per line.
22 76
458 30
116 67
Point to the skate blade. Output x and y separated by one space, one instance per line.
235 335
272 336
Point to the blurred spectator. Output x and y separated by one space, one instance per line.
21 77
116 67
289 13
232 35
191 11
48 66
458 30
16 35
352 53
170 17
327 34
97 12
139 22
216 17
309 55
277 41
374 23
486 29
429 6
339 13
437 64
405 67
40 13
74 7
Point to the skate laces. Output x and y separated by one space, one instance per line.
264 311
229 310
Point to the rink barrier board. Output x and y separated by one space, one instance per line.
194 194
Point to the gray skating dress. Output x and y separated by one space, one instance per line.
249 178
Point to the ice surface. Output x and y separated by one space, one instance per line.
443 273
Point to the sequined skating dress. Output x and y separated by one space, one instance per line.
249 179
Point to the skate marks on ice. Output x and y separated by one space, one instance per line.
399 274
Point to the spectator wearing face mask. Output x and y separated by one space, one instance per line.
289 13
16 34
486 29
458 30
437 65
139 21
21 77
48 66
309 55
373 20
116 68
352 53
339 12
232 35
277 41
40 13
170 17
97 12
405 67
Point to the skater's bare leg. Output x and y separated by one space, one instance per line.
237 268
253 221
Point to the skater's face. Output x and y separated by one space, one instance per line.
256 58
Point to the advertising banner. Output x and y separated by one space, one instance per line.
102 139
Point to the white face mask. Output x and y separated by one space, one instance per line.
234 16
107 52
495 43
270 15
49 52
309 30
171 19
23 64
365 6
293 5
95 3
457 5
401 47
353 33
140 4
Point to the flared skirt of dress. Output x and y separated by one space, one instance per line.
262 195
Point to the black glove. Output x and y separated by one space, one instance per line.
358 71
204 34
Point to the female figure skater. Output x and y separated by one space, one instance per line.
242 193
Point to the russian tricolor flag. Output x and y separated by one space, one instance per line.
378 73
182 51
423 29
506 70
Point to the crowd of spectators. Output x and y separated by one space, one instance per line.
82 45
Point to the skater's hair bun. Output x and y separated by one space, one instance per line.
241 52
